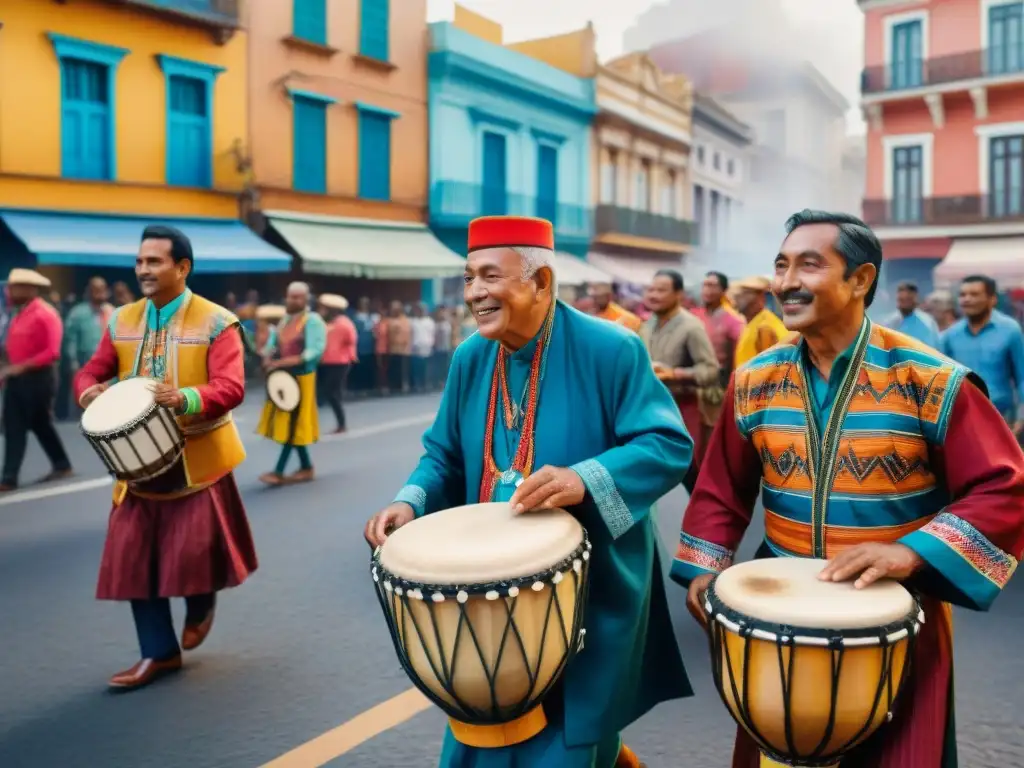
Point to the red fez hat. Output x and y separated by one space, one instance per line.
510 232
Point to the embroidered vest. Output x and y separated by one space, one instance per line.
212 447
867 475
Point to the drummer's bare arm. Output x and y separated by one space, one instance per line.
225 387
723 500
91 379
973 545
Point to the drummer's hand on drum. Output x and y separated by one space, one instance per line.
695 597
92 393
867 563
168 396
547 488
385 522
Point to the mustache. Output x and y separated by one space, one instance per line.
797 295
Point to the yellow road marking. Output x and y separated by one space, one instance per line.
347 736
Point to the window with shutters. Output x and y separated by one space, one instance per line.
374 32
374 155
309 149
189 155
86 116
494 190
1006 176
310 20
547 182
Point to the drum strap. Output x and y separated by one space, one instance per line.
205 427
505 735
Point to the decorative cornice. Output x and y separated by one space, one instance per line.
449 64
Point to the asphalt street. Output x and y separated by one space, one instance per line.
302 647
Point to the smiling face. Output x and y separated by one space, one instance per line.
811 284
157 271
504 305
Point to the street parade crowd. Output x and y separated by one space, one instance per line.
886 458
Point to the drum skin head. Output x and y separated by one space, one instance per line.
479 544
284 391
786 590
119 405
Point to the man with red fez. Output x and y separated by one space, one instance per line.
605 446
183 533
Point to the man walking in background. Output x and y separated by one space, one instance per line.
363 377
423 329
602 295
33 346
339 355
442 348
941 305
992 345
763 329
910 319
85 325
399 348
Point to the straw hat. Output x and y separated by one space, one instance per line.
334 301
20 276
270 312
760 284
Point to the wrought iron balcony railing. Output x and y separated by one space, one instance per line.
909 74
945 211
213 12
626 221
455 203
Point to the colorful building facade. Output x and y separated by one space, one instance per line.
943 94
509 134
117 115
338 101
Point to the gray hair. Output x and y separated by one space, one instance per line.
298 285
941 300
533 259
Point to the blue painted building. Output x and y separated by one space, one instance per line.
508 135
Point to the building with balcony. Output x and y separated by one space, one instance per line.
509 134
338 143
116 115
943 94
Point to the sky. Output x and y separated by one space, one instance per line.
829 32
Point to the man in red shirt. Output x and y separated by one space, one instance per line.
29 379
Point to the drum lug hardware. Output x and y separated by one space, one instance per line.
579 646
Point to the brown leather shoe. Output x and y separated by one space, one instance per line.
302 476
144 672
57 474
192 635
272 478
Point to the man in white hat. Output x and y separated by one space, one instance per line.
338 357
29 379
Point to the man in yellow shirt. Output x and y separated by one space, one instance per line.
763 329
605 307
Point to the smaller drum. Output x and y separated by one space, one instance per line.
810 669
135 438
485 609
283 390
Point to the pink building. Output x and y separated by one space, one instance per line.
943 95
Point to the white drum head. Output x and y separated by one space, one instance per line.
284 391
786 590
120 405
480 543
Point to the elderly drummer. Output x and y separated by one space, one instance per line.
295 345
518 423
184 533
923 477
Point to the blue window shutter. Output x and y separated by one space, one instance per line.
495 196
310 20
547 182
85 116
374 33
374 156
309 145
188 133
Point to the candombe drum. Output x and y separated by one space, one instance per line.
810 669
485 608
136 439
283 390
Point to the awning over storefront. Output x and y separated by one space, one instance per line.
571 271
1001 258
88 240
627 269
371 248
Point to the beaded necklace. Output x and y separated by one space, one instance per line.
522 464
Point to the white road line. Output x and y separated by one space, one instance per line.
57 490
99 482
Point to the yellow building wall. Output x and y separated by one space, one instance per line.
478 25
574 52
30 110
